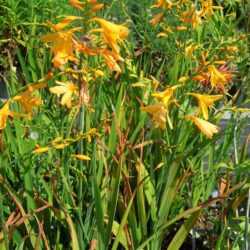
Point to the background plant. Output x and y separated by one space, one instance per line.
102 174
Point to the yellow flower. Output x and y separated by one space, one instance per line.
5 112
217 78
192 17
180 28
63 41
81 157
183 79
167 95
205 101
113 33
207 8
190 49
158 113
40 150
205 127
162 35
68 89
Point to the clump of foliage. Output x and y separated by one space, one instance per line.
111 136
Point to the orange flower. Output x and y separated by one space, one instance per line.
110 59
76 3
156 19
97 7
5 112
27 101
63 41
113 33
32 88
205 127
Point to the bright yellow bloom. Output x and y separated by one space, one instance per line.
158 113
113 33
68 89
205 127
5 112
205 101
167 95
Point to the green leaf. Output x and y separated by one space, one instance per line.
98 213
182 233
119 235
113 204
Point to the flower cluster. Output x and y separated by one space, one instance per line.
211 75
68 48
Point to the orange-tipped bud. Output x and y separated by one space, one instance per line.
50 75
97 7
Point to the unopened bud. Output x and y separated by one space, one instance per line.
97 7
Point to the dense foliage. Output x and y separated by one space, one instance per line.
113 132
